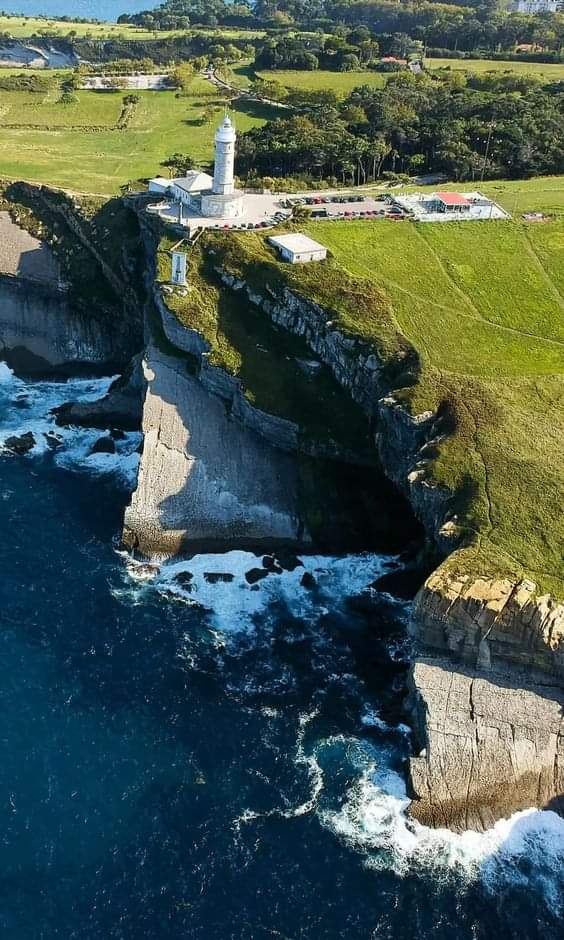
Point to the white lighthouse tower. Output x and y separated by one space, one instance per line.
224 201
224 170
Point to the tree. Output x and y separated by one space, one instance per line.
180 163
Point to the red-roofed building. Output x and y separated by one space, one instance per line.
451 202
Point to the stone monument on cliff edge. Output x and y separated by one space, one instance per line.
224 201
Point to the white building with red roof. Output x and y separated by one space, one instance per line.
445 206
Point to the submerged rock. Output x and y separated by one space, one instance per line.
184 580
104 445
271 564
217 577
288 561
54 441
20 444
308 581
255 575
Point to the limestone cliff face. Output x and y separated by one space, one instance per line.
492 742
42 327
486 696
40 331
205 481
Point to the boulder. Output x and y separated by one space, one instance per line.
20 444
255 575
104 445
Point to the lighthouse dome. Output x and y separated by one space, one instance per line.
226 132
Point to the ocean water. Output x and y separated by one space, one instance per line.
93 9
219 762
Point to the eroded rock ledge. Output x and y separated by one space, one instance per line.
486 701
205 481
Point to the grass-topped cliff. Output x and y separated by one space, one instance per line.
483 306
271 363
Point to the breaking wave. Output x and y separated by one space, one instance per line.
26 407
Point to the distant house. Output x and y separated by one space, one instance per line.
393 58
449 202
298 248
535 6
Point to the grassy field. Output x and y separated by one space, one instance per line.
340 82
22 27
483 306
550 72
100 161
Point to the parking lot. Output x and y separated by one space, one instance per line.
266 210
344 206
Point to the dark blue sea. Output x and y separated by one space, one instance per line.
226 763
92 9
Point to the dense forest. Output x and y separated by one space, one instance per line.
468 128
465 26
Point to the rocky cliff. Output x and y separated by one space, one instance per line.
205 480
486 696
66 297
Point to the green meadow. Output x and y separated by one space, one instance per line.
482 304
74 145
23 27
340 82
548 72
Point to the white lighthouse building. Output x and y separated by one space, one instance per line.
224 201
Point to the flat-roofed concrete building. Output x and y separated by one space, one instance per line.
450 202
298 248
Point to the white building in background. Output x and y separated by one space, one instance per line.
298 248
536 6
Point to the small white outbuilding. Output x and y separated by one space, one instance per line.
298 248
159 184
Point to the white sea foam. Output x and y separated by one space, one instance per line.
7 376
219 585
372 820
26 406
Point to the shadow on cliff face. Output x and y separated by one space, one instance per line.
99 251
352 508
208 483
